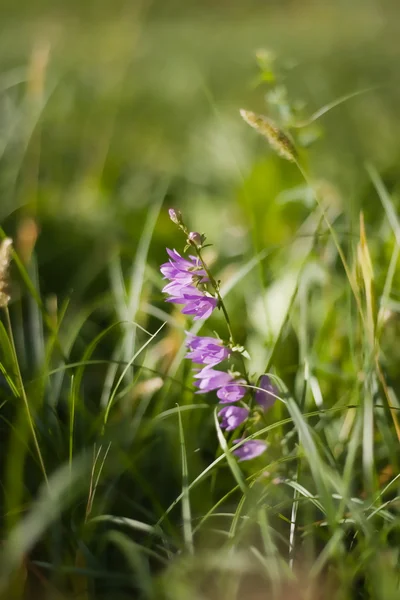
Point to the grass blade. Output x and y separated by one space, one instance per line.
186 511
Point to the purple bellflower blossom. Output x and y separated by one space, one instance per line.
182 274
211 379
250 449
182 270
232 392
232 417
198 304
266 398
206 350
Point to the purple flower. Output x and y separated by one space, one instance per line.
232 417
250 449
184 264
183 270
206 350
232 392
176 288
266 398
211 379
179 292
170 271
198 304
182 273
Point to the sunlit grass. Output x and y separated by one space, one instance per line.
116 479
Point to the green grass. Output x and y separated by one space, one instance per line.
116 479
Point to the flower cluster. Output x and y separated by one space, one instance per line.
209 352
188 279
230 389
185 276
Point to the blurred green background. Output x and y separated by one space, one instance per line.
106 109
102 103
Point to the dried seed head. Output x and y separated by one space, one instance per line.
5 255
277 139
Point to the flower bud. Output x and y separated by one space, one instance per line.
175 216
267 393
196 239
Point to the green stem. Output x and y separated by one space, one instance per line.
215 285
216 288
335 239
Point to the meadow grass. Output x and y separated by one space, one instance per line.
117 481
111 491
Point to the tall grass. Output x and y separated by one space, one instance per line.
116 479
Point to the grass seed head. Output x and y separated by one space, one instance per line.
5 256
278 140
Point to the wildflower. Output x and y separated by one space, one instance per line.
198 304
5 255
250 449
266 398
232 417
206 350
175 289
183 270
211 379
232 392
183 274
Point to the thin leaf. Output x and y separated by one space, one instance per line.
186 511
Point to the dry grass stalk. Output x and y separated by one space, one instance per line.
278 140
5 256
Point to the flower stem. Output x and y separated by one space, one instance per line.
215 285
216 288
